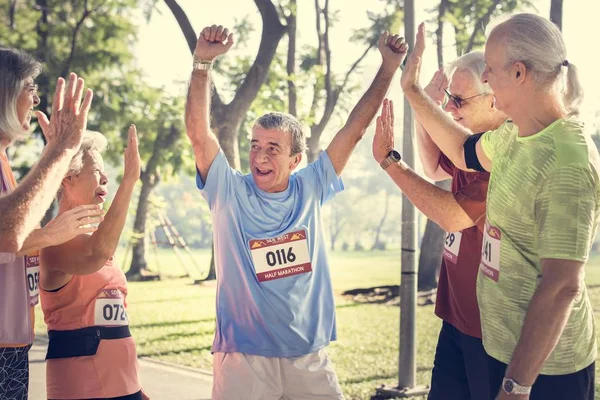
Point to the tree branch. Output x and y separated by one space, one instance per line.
481 24
86 13
12 10
439 33
272 32
291 59
191 38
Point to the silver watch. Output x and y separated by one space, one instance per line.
510 386
392 157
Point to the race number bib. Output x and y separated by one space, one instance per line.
490 252
32 265
280 257
110 308
452 246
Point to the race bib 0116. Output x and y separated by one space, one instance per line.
280 257
109 309
490 252
452 246
32 266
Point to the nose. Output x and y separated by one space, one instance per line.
103 179
36 100
449 107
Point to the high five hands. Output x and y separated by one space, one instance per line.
213 42
412 69
393 50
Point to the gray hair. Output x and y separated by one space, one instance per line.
539 44
92 141
471 63
15 67
285 123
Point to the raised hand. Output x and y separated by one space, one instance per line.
393 49
77 221
132 157
69 116
435 88
212 42
383 141
410 74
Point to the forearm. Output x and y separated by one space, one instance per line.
546 318
447 134
435 203
37 240
429 152
23 209
103 243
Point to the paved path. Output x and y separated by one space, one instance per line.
161 381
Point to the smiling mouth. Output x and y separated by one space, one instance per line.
262 172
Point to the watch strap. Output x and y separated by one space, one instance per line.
516 388
389 160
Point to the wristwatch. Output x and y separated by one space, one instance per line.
205 65
510 386
392 157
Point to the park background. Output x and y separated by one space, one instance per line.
313 59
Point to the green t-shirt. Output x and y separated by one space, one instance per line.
543 202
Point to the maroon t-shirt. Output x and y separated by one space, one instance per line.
456 301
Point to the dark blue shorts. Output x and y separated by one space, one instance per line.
14 373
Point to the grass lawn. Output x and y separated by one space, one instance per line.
173 320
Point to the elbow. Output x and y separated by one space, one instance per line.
10 244
570 291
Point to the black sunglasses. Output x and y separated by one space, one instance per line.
458 102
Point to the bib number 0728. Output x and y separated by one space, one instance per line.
280 257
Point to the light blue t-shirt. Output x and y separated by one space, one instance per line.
274 294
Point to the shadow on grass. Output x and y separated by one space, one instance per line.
172 352
172 323
377 377
187 298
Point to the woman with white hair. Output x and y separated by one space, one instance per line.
91 354
543 208
24 205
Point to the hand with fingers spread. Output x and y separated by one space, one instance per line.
412 69
213 42
77 221
435 88
393 49
383 141
69 116
132 157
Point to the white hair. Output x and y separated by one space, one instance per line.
473 64
92 141
539 44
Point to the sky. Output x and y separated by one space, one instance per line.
163 55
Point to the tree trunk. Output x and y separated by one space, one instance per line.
439 33
556 12
212 272
376 242
430 258
291 59
138 262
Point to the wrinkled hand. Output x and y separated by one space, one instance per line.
393 49
211 42
68 120
383 141
435 88
132 157
74 222
412 69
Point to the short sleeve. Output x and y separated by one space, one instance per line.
321 175
447 165
218 188
472 199
493 141
565 213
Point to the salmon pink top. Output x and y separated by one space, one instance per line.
97 299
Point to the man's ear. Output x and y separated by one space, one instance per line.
295 161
